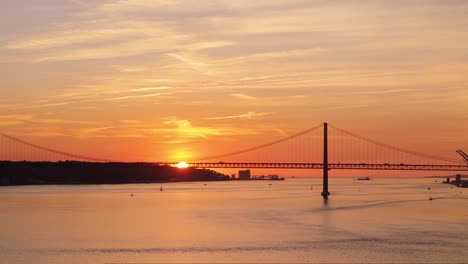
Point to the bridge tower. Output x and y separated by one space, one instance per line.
325 192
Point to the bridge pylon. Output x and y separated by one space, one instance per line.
325 192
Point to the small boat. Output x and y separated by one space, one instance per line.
363 179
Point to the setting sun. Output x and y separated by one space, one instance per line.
182 165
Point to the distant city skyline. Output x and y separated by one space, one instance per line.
176 80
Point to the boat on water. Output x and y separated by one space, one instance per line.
363 179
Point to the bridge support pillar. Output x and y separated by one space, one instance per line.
325 192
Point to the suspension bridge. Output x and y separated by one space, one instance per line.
324 147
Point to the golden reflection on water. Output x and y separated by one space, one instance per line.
379 220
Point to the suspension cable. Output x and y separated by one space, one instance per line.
71 155
396 148
261 146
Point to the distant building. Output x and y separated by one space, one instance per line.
244 175
273 177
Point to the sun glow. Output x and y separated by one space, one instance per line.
182 165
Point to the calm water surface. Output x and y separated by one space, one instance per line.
382 220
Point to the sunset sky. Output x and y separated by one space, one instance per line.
173 80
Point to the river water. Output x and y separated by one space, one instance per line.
382 220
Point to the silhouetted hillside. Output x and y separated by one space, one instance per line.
72 172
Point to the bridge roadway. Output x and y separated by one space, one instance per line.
334 166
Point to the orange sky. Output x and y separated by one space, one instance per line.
164 80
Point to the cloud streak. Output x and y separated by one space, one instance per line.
243 96
390 91
248 115
183 131
11 120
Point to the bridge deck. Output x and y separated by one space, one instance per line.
335 166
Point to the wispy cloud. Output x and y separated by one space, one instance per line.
84 98
243 96
71 37
89 132
56 121
287 53
80 3
390 91
97 91
183 130
248 115
148 89
108 37
10 120
131 97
